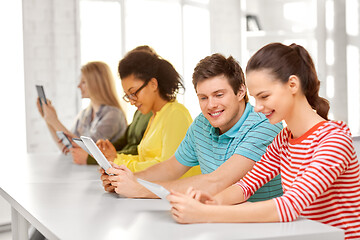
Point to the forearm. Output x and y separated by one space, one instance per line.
246 212
231 195
58 126
216 181
209 183
165 171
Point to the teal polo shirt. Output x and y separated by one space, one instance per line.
249 137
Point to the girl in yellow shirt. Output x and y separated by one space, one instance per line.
151 84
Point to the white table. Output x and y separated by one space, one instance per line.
66 201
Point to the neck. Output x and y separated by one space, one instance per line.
235 119
158 105
95 107
302 118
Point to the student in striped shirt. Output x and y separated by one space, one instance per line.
226 139
315 156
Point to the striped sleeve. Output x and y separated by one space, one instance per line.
264 170
329 160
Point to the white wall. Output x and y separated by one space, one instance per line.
51 59
12 100
225 27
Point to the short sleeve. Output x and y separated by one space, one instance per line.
257 139
185 154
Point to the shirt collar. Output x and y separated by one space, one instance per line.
232 132
98 113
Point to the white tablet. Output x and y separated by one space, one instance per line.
157 189
64 139
81 144
96 153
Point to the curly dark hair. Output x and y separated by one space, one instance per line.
145 66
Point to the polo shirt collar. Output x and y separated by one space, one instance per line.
232 132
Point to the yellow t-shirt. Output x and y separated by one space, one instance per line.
162 137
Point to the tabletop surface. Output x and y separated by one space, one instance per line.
66 201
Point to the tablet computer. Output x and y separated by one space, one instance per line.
96 153
64 139
157 189
41 94
81 144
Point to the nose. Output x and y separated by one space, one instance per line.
212 103
132 101
258 107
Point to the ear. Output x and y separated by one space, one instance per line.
294 84
242 92
153 83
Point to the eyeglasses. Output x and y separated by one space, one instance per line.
133 96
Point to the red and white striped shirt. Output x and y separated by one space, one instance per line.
320 176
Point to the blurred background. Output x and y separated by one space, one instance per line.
47 41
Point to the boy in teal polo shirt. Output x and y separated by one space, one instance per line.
226 139
204 146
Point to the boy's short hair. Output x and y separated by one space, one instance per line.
218 65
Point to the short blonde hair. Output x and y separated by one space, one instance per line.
100 83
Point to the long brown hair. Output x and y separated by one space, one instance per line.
100 83
284 61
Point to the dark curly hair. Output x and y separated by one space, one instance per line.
145 66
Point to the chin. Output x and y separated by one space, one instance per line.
274 121
144 111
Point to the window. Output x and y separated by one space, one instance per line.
179 31
100 35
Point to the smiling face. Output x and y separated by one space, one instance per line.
273 98
218 102
145 98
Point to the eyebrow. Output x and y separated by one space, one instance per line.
220 90
260 93
130 89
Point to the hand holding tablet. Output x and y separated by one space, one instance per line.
64 139
41 95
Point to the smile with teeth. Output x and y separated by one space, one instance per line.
216 114
269 113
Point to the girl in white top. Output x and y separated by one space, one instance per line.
103 118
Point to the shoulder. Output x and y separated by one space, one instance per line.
176 111
176 107
83 113
333 130
112 112
259 122
112 109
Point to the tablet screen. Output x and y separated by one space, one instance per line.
157 189
41 93
81 144
64 139
96 153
